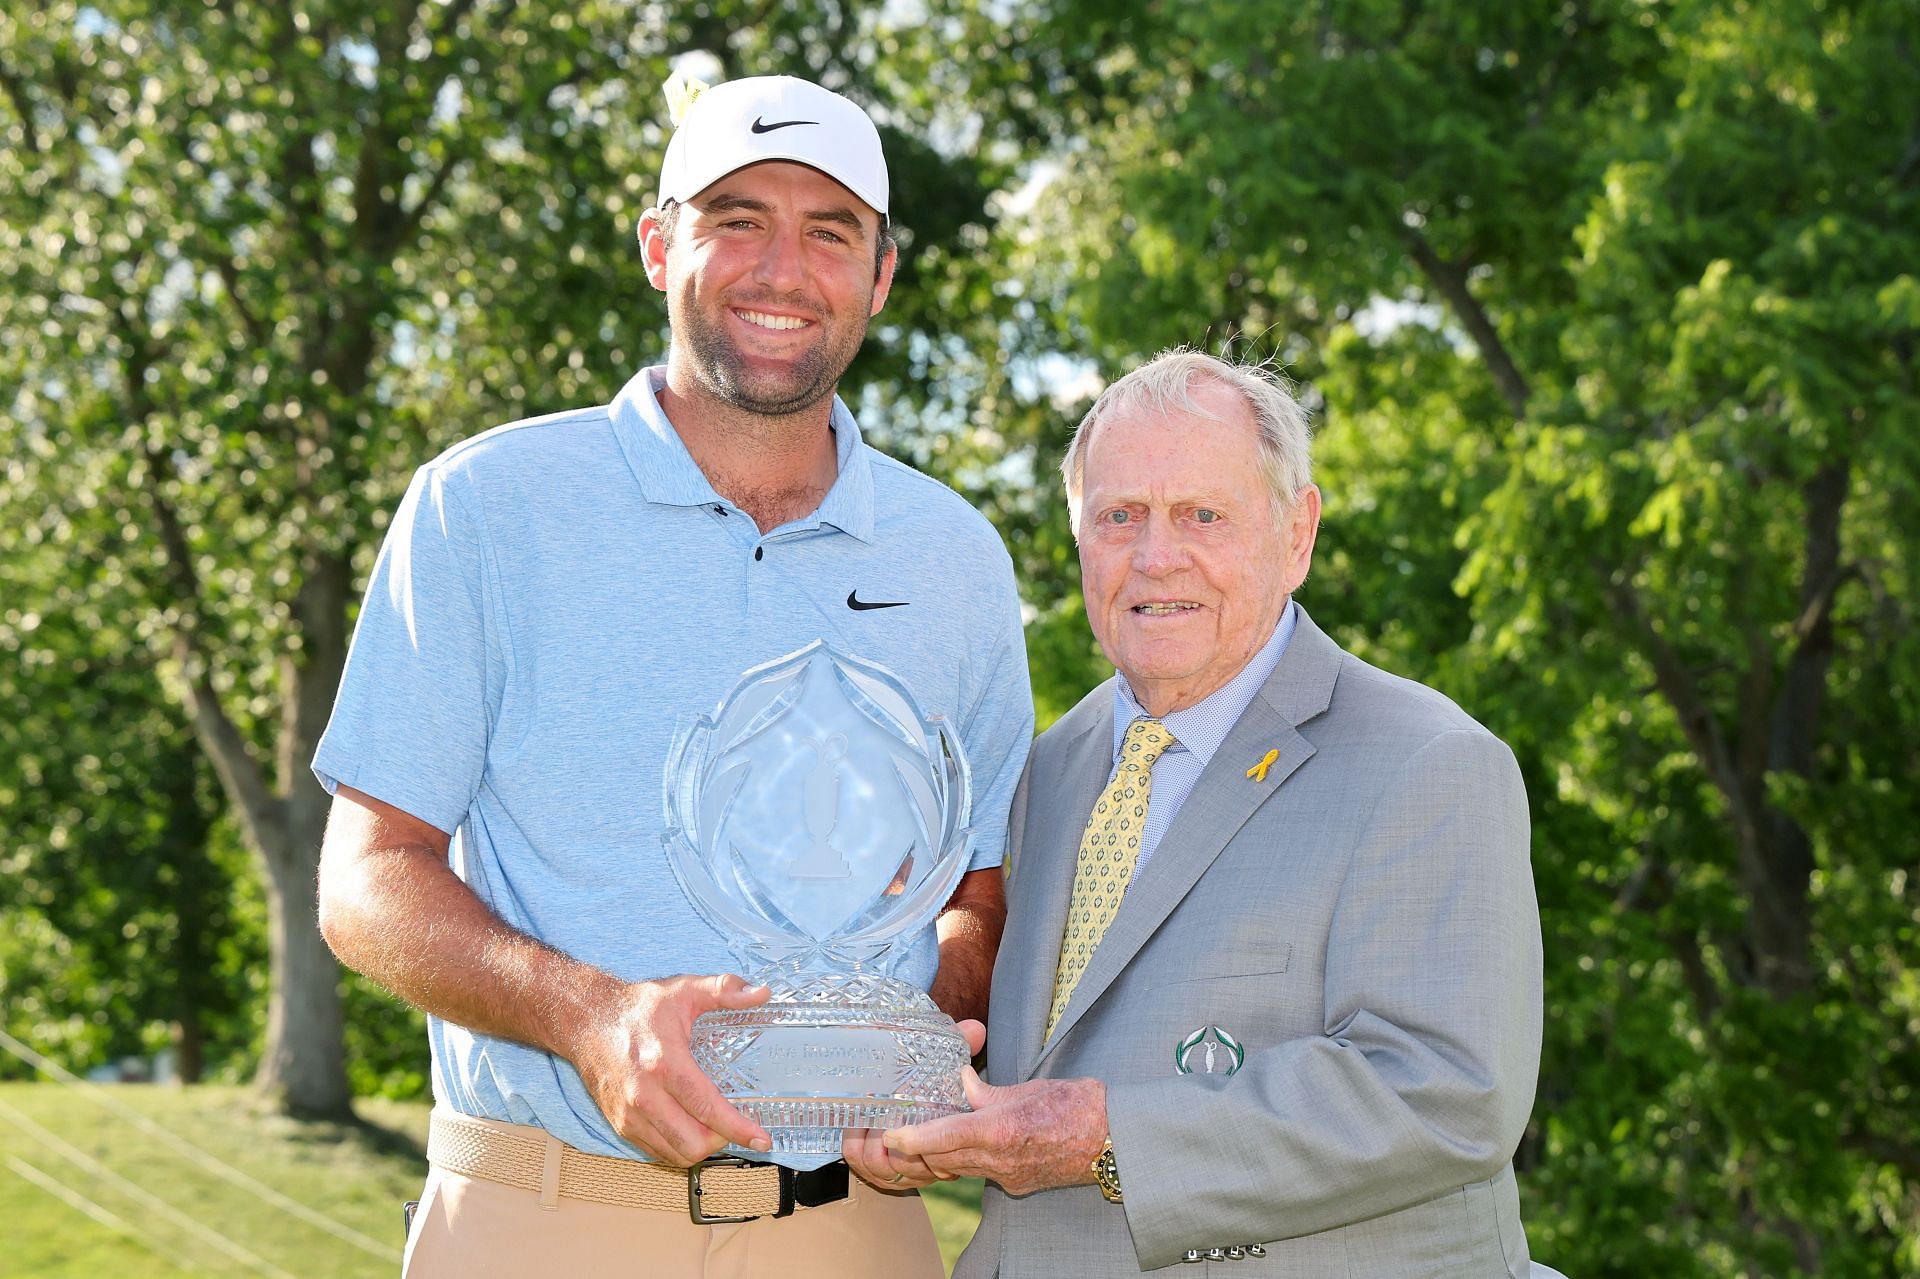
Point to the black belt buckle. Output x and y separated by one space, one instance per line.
809 1189
700 1218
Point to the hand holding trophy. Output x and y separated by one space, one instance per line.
818 820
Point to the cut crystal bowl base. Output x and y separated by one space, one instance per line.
833 1051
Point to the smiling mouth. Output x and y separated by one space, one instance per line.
1165 608
765 320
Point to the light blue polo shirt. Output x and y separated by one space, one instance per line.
553 597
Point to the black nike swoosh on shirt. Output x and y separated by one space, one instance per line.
758 127
860 606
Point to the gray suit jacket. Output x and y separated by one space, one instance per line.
1362 922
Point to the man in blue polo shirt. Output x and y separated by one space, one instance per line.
553 597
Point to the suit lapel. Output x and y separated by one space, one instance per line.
1300 688
1042 884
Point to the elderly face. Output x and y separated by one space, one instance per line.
1184 565
770 284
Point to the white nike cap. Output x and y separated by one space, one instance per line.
743 122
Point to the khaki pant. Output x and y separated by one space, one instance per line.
472 1229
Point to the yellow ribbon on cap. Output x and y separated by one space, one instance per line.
1258 772
681 89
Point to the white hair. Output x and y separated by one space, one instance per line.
1166 385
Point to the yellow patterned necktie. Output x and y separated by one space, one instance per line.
1108 851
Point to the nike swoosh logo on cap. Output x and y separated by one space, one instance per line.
760 126
860 606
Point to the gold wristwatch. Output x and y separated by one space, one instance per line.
1106 1172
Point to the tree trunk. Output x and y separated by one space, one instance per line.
1776 868
303 1068
189 1046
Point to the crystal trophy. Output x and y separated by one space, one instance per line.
818 820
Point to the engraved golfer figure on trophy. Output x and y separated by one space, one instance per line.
823 910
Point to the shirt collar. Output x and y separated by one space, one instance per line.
667 473
1201 727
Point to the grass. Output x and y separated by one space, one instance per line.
955 1208
356 1176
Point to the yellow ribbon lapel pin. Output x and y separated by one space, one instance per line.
1258 772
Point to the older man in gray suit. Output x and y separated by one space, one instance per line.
1269 993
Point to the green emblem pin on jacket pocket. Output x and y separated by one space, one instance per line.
1209 1051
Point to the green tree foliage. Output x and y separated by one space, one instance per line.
1612 308
118 928
265 259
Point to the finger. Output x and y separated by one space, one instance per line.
706 1106
979 1093
688 1140
915 1170
956 1164
863 1144
644 1133
884 1169
937 1136
693 1117
862 1150
892 1163
975 1034
943 1167
730 990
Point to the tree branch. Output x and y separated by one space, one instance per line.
1907 172
373 209
1784 739
22 103
450 15
1887 1150
1753 703
395 221
1451 280
230 278
1649 891
1677 685
233 759
1410 15
1773 853
1796 713
299 175
222 260
410 218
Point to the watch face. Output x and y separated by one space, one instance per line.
1106 1172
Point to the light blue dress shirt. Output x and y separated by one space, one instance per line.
1198 731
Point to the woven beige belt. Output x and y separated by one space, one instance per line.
722 1190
